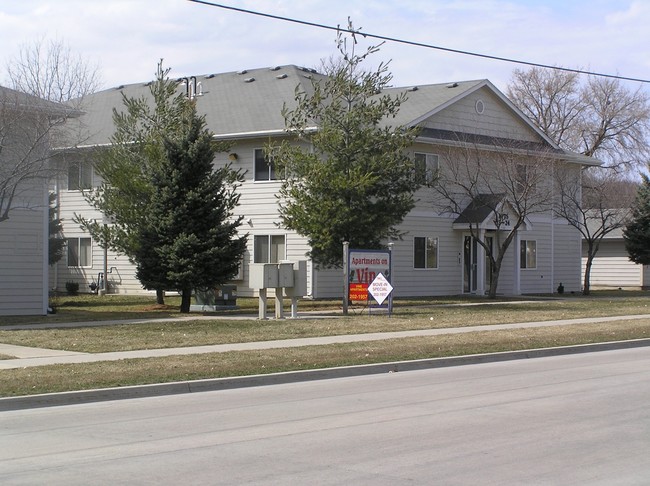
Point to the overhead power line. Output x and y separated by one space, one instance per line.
416 44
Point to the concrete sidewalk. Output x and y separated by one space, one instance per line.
27 357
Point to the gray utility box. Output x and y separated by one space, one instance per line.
263 276
285 274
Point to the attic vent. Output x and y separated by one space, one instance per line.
308 76
148 83
452 85
249 80
412 88
210 76
281 76
243 71
121 86
276 68
480 107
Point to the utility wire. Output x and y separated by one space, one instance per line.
417 44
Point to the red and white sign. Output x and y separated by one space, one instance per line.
380 288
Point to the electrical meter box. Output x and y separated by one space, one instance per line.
263 275
285 274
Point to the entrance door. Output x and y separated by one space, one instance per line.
470 264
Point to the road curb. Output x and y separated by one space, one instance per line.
215 384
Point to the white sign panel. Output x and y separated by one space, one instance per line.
380 288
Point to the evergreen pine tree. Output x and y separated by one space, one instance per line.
354 181
190 240
637 232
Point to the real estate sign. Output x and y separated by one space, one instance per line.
364 266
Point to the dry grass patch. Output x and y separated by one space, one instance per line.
55 378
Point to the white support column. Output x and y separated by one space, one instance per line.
279 303
262 304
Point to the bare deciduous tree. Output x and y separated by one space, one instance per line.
598 205
600 117
50 70
33 117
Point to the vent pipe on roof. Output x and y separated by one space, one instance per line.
249 80
281 76
452 85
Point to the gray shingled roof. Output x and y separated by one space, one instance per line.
478 210
240 104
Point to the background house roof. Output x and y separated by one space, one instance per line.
16 100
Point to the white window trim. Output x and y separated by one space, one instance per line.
78 239
425 268
523 261
262 181
431 170
269 236
81 166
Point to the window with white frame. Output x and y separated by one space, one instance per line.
425 252
79 252
264 167
528 254
269 248
80 176
426 168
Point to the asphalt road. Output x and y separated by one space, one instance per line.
577 419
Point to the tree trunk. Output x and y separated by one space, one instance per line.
587 284
160 296
496 269
186 298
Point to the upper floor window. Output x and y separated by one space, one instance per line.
79 252
269 248
264 167
528 254
523 180
425 252
426 168
80 176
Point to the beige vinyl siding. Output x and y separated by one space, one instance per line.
539 279
496 120
612 267
23 263
567 257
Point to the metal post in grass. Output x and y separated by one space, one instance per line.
346 272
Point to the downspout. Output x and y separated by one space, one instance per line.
552 282
46 250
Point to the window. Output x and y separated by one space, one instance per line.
523 182
528 254
426 168
264 168
425 252
79 252
269 248
80 176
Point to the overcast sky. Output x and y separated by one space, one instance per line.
126 38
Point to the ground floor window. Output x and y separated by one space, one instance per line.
425 252
528 254
79 252
269 248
